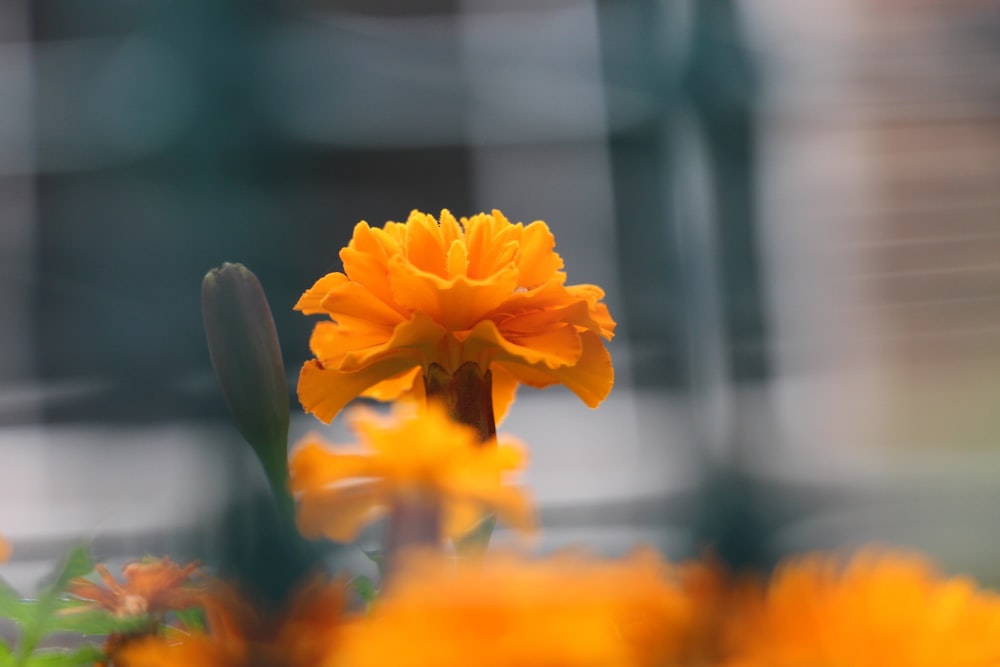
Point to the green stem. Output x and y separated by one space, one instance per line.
468 395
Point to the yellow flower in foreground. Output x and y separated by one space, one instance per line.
879 609
5 550
563 611
410 459
483 290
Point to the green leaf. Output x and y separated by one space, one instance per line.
12 607
365 589
193 619
474 543
77 563
6 655
35 623
83 655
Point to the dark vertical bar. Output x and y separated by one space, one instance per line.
721 84
637 70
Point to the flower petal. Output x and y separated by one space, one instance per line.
313 466
424 246
451 230
458 260
538 262
590 378
325 391
576 313
492 242
366 256
353 303
504 391
340 513
329 341
593 294
456 304
553 347
310 301
409 384
417 339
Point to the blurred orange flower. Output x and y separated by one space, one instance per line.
407 458
309 631
152 586
304 636
564 611
482 290
880 608
198 650
229 623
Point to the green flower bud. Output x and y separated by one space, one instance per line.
246 356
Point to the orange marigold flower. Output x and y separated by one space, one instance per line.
408 459
878 609
309 632
5 550
181 651
479 290
303 636
563 611
229 622
151 586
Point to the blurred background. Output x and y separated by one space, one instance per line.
794 208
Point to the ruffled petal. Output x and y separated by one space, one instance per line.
538 263
456 304
458 260
310 303
504 391
599 313
451 230
577 313
339 513
353 303
329 342
590 378
417 339
553 347
424 246
409 384
480 481
492 242
366 256
549 295
593 294
325 391
313 466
